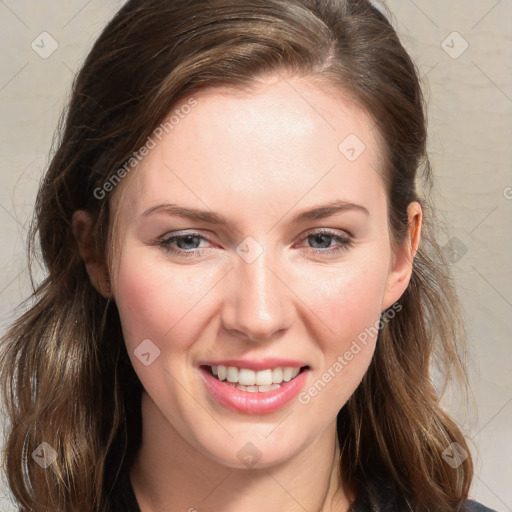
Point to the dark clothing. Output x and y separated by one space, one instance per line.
473 506
123 500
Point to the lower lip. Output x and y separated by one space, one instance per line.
253 402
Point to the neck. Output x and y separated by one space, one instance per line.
171 474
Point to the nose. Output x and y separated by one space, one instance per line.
259 304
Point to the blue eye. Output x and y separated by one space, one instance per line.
319 237
180 245
183 240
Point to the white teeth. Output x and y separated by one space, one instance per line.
290 373
287 374
268 388
232 374
264 378
221 371
246 377
255 389
249 380
277 375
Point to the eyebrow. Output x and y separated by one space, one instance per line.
317 212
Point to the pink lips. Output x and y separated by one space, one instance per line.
258 402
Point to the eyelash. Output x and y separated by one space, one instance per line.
345 242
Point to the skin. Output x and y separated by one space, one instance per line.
257 158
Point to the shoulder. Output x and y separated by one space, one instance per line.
379 496
474 506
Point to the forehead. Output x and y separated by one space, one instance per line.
287 140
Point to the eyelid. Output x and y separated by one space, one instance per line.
331 231
199 233
343 236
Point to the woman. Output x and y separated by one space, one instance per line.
144 376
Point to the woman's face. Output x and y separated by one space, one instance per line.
251 283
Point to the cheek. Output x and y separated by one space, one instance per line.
347 309
154 302
345 301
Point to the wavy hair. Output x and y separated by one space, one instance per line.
65 374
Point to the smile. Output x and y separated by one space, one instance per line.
253 391
255 381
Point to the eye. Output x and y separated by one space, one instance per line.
187 244
325 237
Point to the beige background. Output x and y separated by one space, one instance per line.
470 107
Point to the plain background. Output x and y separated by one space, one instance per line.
463 49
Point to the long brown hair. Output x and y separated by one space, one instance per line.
66 377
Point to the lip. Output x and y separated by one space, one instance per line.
253 403
256 365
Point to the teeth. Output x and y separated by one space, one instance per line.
246 377
252 381
261 389
277 375
221 371
264 378
268 388
232 374
287 374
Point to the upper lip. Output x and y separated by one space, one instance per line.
256 364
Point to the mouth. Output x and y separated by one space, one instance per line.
254 381
262 389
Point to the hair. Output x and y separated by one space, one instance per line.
65 374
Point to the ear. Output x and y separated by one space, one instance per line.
401 267
98 273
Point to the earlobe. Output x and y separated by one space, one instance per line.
401 270
82 225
